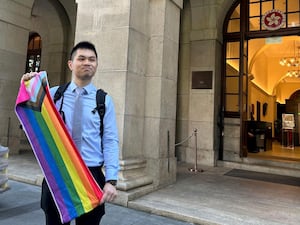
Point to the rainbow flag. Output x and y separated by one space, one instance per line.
73 188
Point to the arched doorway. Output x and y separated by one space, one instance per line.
50 36
257 36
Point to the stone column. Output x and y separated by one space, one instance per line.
137 43
120 36
205 56
161 90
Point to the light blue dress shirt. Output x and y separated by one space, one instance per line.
91 150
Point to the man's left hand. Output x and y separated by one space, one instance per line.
109 193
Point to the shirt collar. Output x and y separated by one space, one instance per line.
88 88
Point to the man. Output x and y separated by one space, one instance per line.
94 151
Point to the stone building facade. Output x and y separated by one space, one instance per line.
148 51
138 43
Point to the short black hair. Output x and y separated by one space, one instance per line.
83 45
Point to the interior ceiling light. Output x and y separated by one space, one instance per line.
293 61
293 73
290 61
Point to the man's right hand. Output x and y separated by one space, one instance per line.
28 76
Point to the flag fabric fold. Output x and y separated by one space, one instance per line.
72 186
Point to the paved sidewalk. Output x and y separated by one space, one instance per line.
21 206
209 197
212 198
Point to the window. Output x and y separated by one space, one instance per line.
232 77
34 50
234 21
243 22
258 8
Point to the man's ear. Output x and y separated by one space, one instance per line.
70 64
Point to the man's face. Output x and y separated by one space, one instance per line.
84 64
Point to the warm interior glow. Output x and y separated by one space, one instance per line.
292 62
268 74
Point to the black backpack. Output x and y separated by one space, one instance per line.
100 103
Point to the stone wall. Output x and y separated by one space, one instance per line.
200 50
14 25
138 45
56 27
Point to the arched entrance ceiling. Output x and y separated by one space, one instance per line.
270 51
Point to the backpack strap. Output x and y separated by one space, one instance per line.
58 94
100 101
60 91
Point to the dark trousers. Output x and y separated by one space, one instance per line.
51 213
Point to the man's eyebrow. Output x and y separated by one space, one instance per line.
83 56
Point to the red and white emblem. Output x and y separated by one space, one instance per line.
273 19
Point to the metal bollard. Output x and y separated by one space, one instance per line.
195 169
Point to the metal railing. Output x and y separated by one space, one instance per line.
194 134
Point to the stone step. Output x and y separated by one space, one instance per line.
3 168
279 167
3 183
125 197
